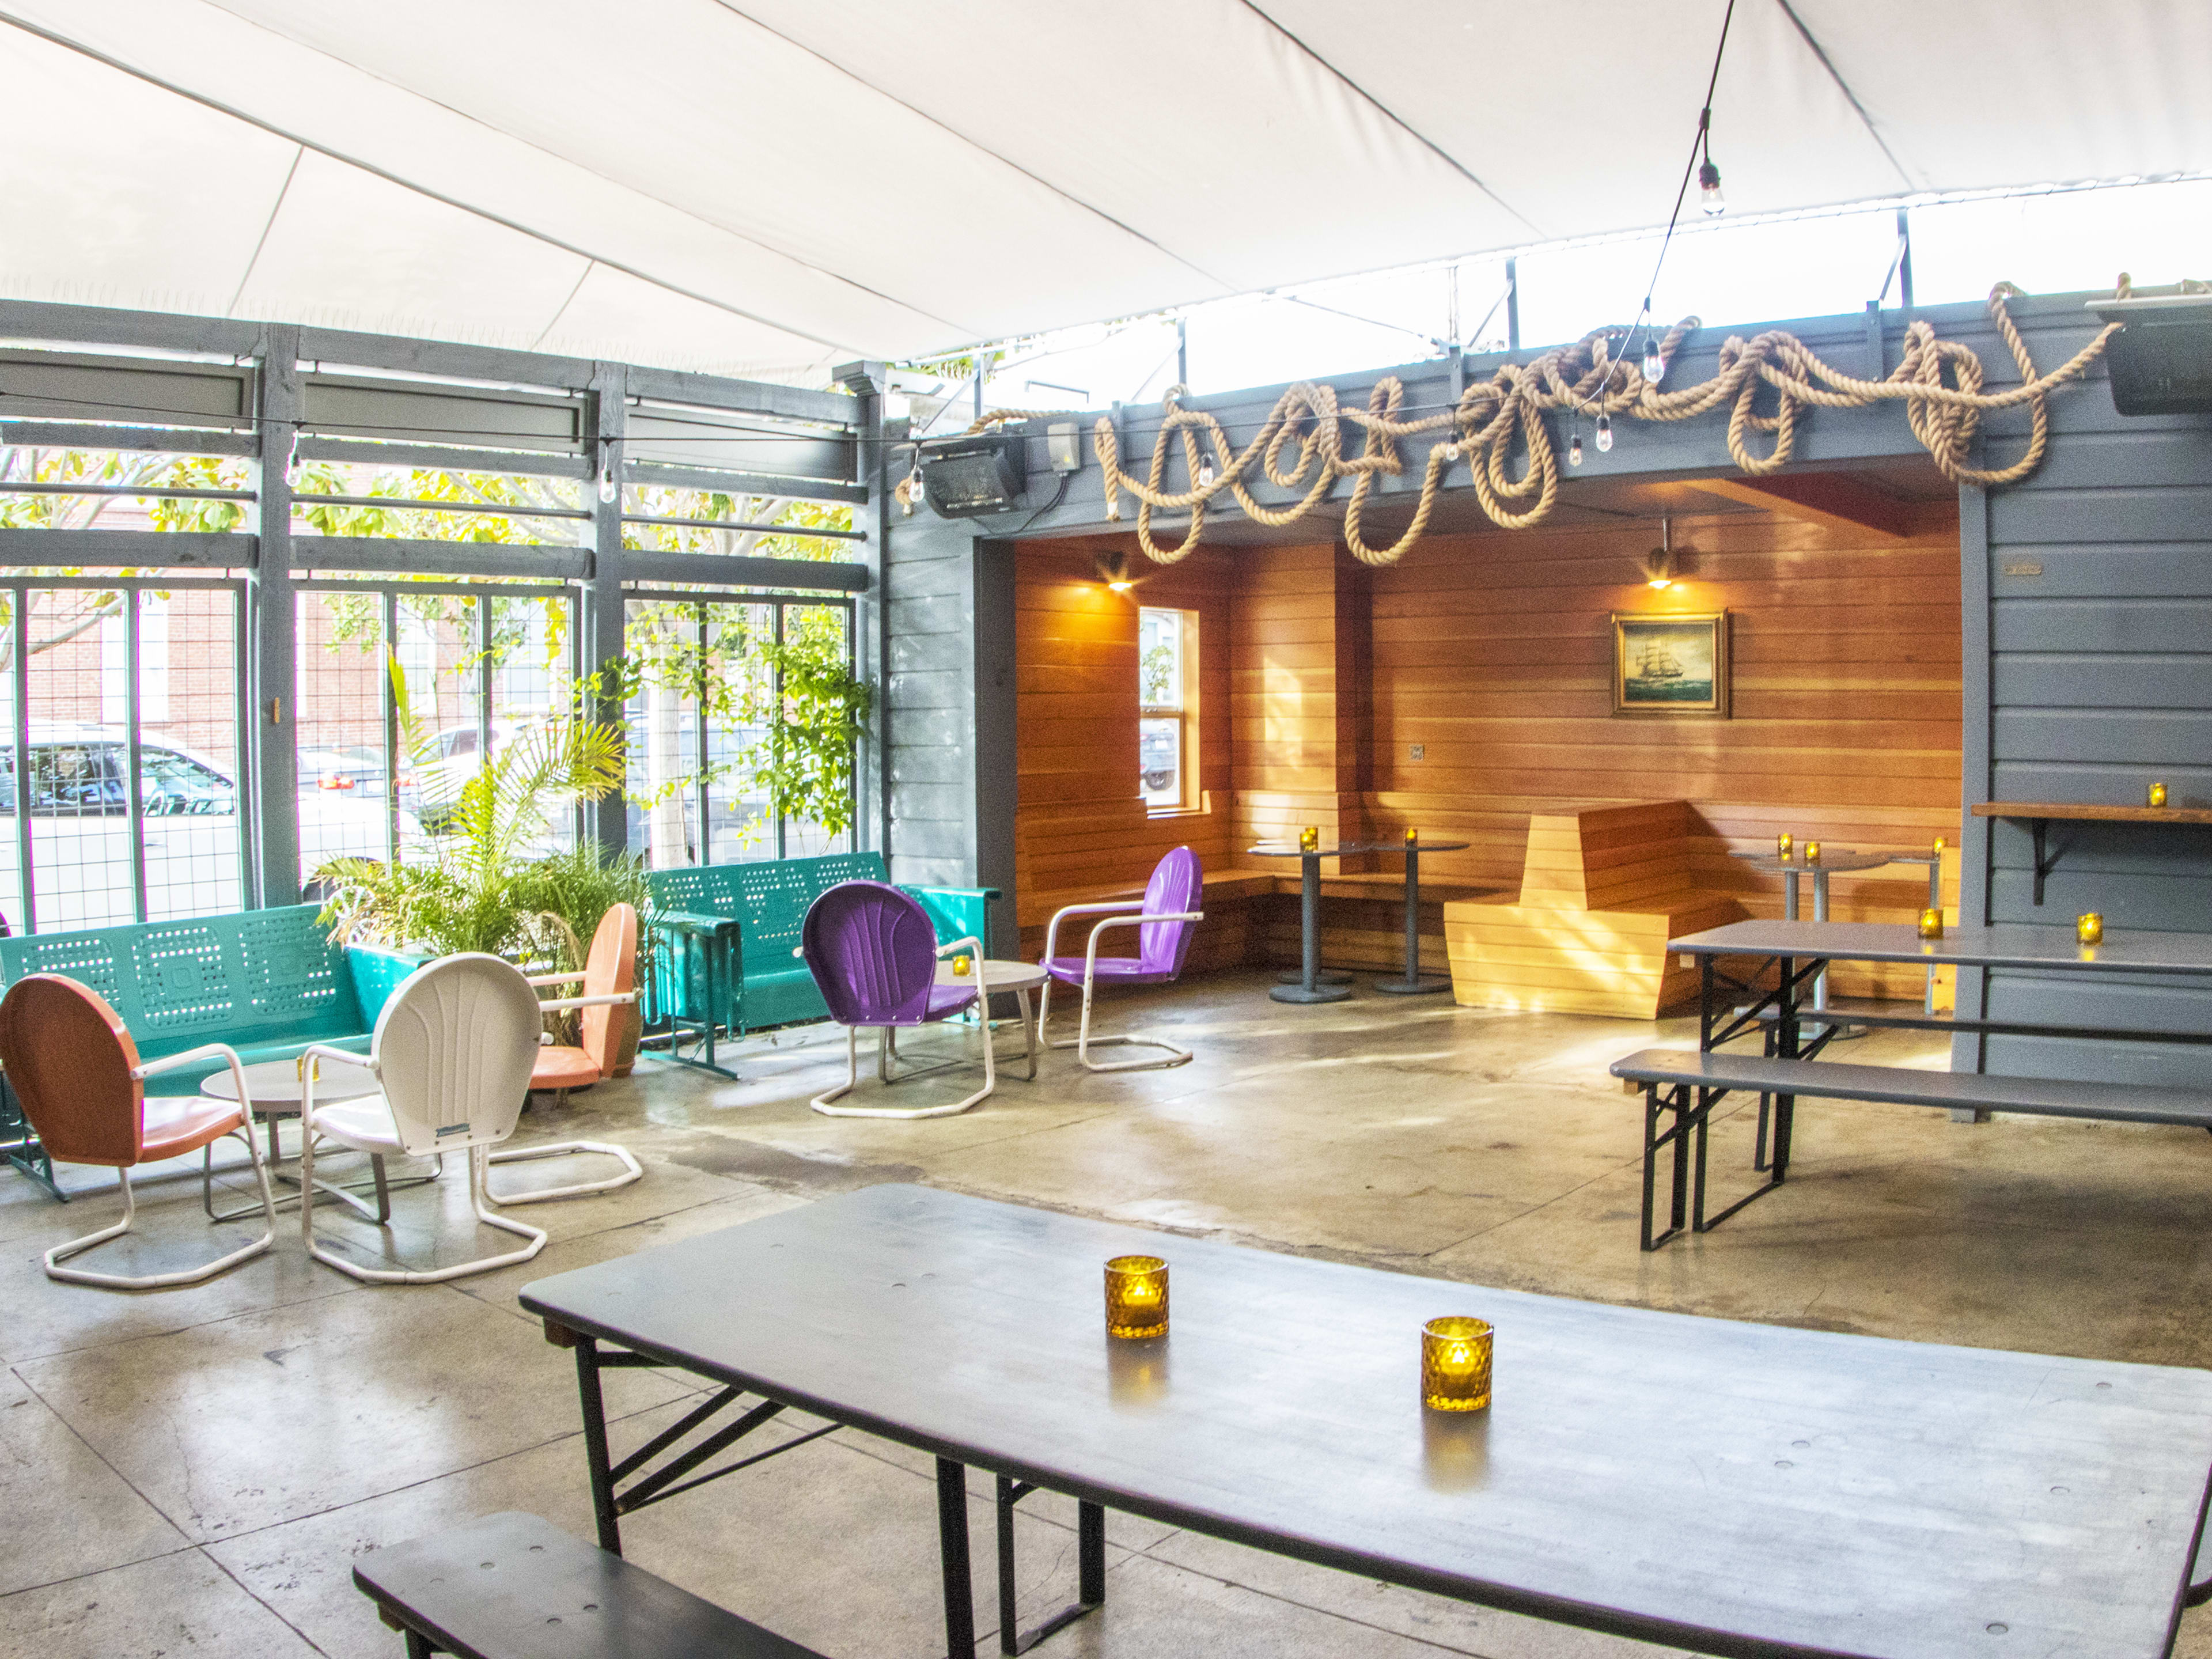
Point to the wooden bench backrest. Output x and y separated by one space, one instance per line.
1606 857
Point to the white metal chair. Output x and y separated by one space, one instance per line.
609 1034
452 1051
1164 919
83 1089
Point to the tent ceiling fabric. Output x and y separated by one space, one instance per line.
771 187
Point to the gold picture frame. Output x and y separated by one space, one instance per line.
1667 665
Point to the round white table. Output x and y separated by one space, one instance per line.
1018 977
275 1090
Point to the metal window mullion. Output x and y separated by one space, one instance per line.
133 794
388 614
699 735
775 731
249 827
483 602
23 758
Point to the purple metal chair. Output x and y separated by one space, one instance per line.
1162 918
874 957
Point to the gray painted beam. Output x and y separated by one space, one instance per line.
738 570
71 550
397 555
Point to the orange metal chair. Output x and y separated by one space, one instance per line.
611 1028
83 1087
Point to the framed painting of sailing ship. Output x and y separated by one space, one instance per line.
1670 664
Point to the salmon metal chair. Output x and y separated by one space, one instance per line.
83 1089
610 1034
453 1050
1164 919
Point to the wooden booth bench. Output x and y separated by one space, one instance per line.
1601 892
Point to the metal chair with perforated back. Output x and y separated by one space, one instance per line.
83 1087
453 1051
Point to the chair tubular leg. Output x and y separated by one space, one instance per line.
631 1170
62 1253
478 1198
885 1054
1083 1042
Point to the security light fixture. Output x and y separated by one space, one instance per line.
1113 570
975 476
1063 446
2161 362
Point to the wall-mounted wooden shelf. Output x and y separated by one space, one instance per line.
2037 815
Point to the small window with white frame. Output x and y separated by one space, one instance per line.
1167 699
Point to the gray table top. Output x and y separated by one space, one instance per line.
1833 860
2007 945
276 1085
1734 1488
1287 849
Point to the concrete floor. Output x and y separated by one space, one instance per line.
194 1470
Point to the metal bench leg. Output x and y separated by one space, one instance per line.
952 1543
595 1443
418 1645
1091 1569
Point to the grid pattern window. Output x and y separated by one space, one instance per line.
127 808
732 754
1167 699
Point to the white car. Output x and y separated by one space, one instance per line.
81 830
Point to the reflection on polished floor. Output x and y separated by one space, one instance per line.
194 1471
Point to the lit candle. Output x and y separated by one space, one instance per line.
1781 844
2089 927
1931 924
1811 852
1136 1296
2158 794
1310 839
1938 848
960 968
1456 1364
1413 837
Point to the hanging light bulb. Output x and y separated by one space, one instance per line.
1604 431
1709 189
607 491
1654 366
292 465
1205 475
913 495
1574 450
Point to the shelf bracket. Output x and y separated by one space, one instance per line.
2039 827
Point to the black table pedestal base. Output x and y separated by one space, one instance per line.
1326 977
1425 985
1319 994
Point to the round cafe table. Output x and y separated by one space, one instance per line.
1020 978
1833 860
1312 985
275 1090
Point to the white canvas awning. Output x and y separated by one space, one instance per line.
768 187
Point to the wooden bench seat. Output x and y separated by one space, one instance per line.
513 1586
1685 1085
1602 890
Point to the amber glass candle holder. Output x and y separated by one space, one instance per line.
1136 1296
1931 924
1456 1364
1310 839
1781 844
2089 927
963 966
1938 847
1413 837
1811 852
2158 794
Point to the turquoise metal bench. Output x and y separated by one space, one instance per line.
727 933
267 982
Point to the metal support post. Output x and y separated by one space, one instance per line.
272 805
604 618
952 1543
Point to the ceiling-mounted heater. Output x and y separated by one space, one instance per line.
2161 362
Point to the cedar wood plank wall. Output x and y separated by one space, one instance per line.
1493 652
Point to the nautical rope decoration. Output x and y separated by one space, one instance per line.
1939 381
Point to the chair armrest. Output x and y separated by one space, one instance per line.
605 999
201 1056
1052 928
972 948
324 1051
949 892
552 979
1090 955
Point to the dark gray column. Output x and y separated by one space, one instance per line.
991 599
270 653
872 801
602 606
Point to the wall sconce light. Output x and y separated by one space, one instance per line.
1659 562
1113 570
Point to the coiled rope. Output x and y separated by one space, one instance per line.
1939 381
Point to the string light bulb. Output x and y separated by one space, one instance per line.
607 490
1574 450
913 495
292 465
1709 189
1604 431
1205 475
1654 366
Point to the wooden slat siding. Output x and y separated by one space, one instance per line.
1082 829
1287 650
1493 653
2099 677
